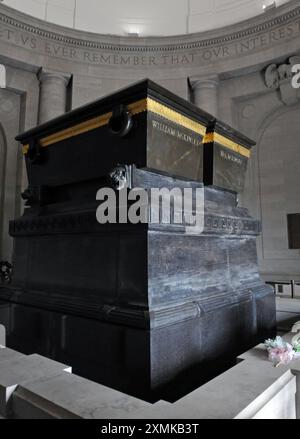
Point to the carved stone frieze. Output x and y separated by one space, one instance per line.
255 35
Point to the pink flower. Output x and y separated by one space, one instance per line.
281 355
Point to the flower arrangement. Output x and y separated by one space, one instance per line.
282 352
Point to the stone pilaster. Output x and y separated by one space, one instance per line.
53 94
205 92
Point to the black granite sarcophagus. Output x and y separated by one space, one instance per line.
152 309
143 125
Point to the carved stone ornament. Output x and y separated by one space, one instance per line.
5 272
279 77
120 177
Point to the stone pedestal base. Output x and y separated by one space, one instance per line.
165 362
149 309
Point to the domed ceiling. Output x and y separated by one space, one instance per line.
143 17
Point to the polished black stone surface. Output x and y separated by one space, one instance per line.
224 164
144 125
153 310
147 309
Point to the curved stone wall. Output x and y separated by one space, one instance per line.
224 50
51 69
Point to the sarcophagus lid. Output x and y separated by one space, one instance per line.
143 124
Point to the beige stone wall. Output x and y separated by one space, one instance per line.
51 68
18 110
9 116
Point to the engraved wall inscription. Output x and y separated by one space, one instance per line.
189 54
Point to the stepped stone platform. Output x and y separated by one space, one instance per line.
33 387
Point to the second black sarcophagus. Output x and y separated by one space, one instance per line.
152 309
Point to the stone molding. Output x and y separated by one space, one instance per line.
156 317
194 41
45 75
211 81
68 223
270 29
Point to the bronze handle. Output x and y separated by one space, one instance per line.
121 123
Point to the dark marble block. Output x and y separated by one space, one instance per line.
148 309
151 309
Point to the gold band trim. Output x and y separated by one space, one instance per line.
215 137
135 108
173 116
25 149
